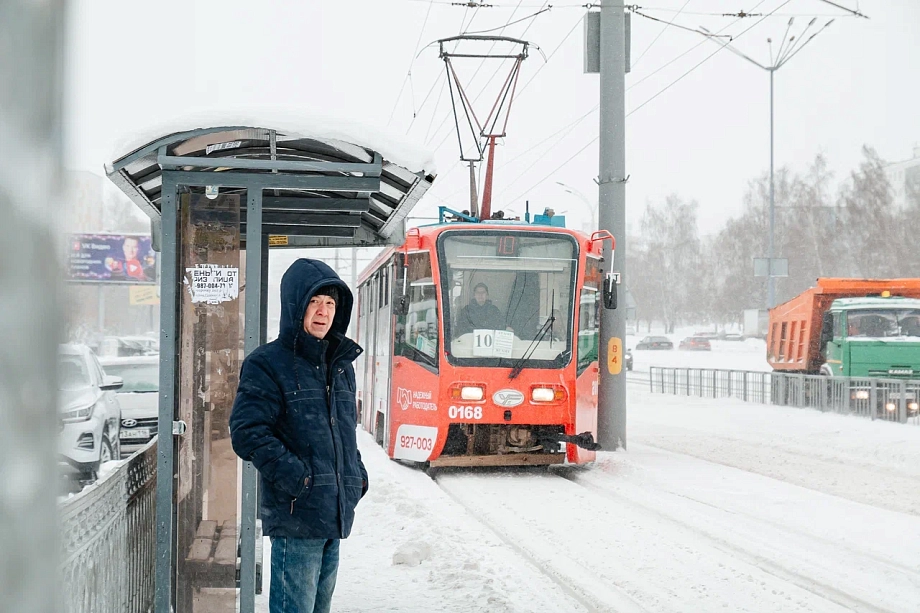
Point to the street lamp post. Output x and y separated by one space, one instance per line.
592 209
788 48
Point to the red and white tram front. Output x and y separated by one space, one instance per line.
495 348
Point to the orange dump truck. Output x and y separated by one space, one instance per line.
850 328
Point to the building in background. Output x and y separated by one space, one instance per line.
904 178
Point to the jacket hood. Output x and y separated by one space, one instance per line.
300 283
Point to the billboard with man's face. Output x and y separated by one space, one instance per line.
111 258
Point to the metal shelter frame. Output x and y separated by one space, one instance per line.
319 192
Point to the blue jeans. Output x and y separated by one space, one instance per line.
303 575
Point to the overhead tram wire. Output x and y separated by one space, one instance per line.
440 74
660 33
570 127
411 61
547 176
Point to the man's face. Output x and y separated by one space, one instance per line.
481 295
130 248
319 316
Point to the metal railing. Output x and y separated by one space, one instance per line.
108 540
887 399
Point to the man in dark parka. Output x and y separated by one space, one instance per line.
294 418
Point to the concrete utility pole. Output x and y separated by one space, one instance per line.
31 57
611 417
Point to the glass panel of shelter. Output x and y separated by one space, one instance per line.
210 341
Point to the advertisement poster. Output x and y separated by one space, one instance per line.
112 258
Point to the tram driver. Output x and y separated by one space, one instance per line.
480 313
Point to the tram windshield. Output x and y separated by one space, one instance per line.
507 297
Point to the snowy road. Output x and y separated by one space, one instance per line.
718 505
652 530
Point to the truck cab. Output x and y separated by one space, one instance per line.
871 337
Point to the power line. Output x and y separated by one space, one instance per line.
655 40
667 87
437 78
411 61
574 124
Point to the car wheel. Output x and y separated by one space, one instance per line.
106 453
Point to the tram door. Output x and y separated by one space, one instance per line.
209 352
383 352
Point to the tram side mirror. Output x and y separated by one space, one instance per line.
402 305
610 291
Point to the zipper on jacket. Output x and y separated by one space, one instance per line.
292 506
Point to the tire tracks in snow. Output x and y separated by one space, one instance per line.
596 597
819 588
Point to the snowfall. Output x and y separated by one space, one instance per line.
715 505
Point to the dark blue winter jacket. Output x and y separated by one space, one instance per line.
294 416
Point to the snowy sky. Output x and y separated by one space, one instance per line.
704 137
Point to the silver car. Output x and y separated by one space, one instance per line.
89 412
138 398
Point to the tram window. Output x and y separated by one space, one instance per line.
508 298
417 329
387 289
589 315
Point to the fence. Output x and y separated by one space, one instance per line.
108 532
888 399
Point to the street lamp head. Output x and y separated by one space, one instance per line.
812 22
791 19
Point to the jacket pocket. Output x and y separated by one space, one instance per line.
354 489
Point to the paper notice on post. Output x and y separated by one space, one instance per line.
212 284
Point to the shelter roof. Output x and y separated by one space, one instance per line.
325 184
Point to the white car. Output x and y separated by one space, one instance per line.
138 398
89 412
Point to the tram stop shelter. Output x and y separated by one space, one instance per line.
219 198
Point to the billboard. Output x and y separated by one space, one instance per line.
111 258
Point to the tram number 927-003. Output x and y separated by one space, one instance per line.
416 442
455 412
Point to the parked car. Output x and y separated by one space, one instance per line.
139 398
89 413
113 346
733 336
695 343
706 335
655 342
629 359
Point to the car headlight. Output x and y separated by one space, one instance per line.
861 395
77 415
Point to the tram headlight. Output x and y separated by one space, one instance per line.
473 392
547 393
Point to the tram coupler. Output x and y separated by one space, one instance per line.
585 440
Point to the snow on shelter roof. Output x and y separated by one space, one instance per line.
325 181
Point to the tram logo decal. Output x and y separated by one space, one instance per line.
404 398
415 399
508 398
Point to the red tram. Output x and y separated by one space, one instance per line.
450 378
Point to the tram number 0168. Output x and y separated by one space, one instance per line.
455 412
